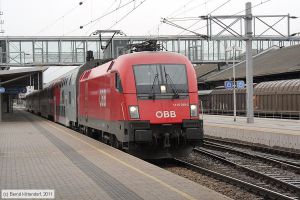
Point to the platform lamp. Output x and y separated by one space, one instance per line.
234 49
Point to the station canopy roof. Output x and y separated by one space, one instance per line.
21 77
276 60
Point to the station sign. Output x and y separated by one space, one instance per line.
240 84
2 89
15 90
228 84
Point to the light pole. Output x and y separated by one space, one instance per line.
0 104
234 49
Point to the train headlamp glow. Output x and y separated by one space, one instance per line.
134 112
194 110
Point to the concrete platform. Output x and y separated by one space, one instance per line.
271 132
39 154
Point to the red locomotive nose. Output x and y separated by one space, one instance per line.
165 111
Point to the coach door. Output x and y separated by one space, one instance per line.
86 101
54 108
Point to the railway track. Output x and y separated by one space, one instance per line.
256 189
268 172
284 157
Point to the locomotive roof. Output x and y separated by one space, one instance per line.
158 54
145 57
123 64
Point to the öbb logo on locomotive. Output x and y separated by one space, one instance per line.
165 114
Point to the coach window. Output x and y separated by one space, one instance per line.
63 97
70 101
118 83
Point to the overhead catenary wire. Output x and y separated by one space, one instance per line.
97 22
262 2
61 17
171 14
102 16
124 16
106 13
237 13
208 14
196 30
175 13
188 28
128 13
164 20
193 8
205 26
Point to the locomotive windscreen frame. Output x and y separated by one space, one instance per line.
165 80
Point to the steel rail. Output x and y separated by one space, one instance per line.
239 183
256 147
252 172
277 162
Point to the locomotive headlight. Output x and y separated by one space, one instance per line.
163 89
194 110
134 112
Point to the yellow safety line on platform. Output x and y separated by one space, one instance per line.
187 196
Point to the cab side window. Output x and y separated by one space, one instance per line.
118 83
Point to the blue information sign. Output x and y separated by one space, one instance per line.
228 84
240 84
2 89
15 90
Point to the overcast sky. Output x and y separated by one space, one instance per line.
133 17
64 17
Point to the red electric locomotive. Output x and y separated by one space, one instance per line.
145 103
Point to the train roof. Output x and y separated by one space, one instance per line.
59 79
159 55
279 86
289 86
146 57
65 77
123 64
204 92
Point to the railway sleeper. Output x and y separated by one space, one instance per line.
253 173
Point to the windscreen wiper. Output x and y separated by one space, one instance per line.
172 85
152 96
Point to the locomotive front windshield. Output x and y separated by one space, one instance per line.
157 80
